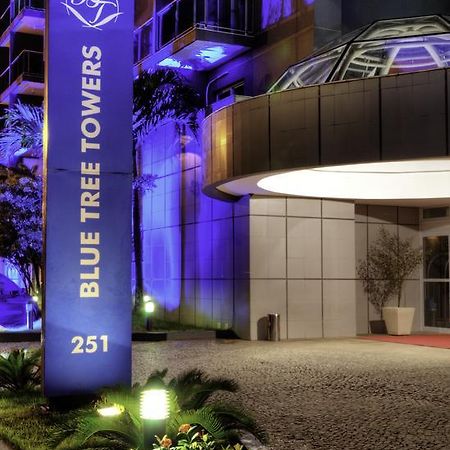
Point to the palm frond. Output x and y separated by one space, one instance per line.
160 96
205 417
194 388
125 397
22 132
20 370
118 432
157 375
234 418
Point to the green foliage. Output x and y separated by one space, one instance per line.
194 388
194 438
20 370
22 133
390 260
188 394
160 96
21 222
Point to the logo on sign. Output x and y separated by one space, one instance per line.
93 13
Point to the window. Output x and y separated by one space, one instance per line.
233 89
436 281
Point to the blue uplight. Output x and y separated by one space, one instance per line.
212 54
275 10
202 55
171 62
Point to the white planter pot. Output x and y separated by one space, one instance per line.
398 320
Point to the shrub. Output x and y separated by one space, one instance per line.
192 438
20 370
390 260
188 396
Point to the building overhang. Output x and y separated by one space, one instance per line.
25 85
379 140
198 49
29 21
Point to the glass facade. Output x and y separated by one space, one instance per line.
387 47
180 16
436 282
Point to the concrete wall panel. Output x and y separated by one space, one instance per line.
294 119
413 110
349 122
251 150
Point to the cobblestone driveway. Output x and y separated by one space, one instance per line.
326 394
344 394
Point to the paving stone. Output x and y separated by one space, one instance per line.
341 394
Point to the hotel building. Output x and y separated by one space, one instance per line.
324 121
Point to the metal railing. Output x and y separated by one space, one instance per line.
5 19
180 16
143 41
4 81
29 64
19 5
15 8
230 16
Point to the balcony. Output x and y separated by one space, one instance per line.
22 16
25 75
195 34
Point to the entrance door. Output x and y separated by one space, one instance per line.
436 282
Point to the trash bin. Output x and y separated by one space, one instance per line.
273 327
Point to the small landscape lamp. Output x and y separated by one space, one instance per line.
29 313
149 308
154 412
110 411
35 298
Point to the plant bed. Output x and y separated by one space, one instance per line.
194 419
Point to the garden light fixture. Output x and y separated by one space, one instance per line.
110 411
149 308
154 412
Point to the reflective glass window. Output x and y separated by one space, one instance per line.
436 304
146 40
369 59
185 15
309 72
415 26
435 251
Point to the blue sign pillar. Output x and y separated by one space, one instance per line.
87 209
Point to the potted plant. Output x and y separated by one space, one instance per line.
389 262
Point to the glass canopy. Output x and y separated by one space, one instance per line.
386 47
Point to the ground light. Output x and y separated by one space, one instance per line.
29 312
110 411
149 308
154 412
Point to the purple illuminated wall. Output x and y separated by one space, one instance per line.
188 238
275 10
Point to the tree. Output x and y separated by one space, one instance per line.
389 262
21 222
22 133
159 97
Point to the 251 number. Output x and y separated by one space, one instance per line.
90 344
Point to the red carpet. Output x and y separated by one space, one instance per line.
427 340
